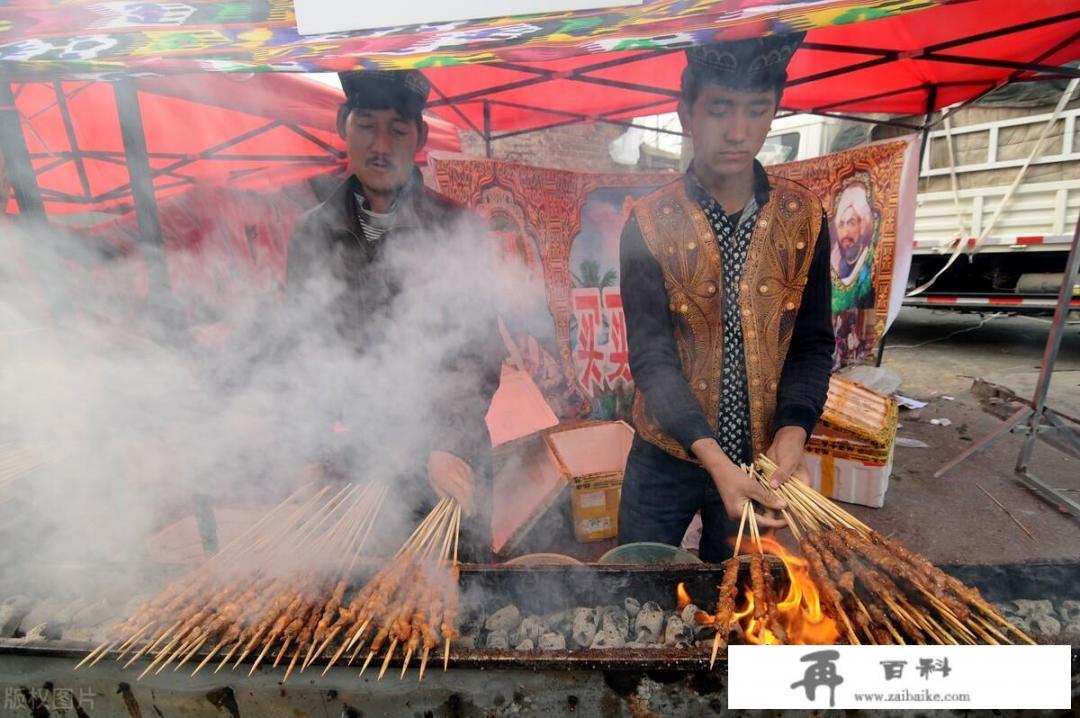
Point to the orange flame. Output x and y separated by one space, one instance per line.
798 614
683 596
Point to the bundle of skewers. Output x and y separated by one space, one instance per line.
264 596
877 591
761 587
410 607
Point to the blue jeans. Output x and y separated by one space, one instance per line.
661 494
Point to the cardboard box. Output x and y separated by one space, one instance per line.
855 481
592 457
587 456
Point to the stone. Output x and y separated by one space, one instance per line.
552 642
615 619
631 606
677 633
498 640
467 640
649 623
585 626
1072 629
526 645
506 619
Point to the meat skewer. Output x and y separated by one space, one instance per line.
725 605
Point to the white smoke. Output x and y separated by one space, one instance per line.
136 417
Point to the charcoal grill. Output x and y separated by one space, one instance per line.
590 682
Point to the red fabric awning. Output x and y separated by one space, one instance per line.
897 65
243 130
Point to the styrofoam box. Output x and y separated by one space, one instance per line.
855 482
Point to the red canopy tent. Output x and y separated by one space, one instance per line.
910 64
249 131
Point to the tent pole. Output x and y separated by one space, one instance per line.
40 242
142 184
924 146
487 128
20 170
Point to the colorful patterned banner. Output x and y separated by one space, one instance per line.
566 225
88 36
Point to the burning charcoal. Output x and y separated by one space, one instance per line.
557 620
467 640
632 606
1029 609
687 614
533 627
498 640
677 633
47 610
505 619
65 614
636 644
1070 612
649 624
526 645
616 620
93 614
11 613
552 642
1046 625
585 620
608 638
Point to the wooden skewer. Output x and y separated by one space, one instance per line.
191 653
292 664
124 647
367 662
405 665
742 526
229 655
151 646
423 664
209 656
281 652
102 650
386 660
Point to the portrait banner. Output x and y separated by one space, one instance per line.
564 228
863 193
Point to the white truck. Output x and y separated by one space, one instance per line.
1019 264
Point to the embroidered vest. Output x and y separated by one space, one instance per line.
679 237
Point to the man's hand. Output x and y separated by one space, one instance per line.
735 486
787 452
451 476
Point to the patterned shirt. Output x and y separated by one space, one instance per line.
733 234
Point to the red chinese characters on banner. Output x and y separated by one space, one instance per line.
601 353
618 356
588 356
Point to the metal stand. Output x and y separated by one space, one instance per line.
1039 416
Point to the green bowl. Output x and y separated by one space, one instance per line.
646 552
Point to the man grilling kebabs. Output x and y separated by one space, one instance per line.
725 284
384 203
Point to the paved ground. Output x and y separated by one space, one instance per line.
938 354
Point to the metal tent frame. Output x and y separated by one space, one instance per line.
1038 416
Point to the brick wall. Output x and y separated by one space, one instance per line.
574 147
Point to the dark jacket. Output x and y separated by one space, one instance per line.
328 241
